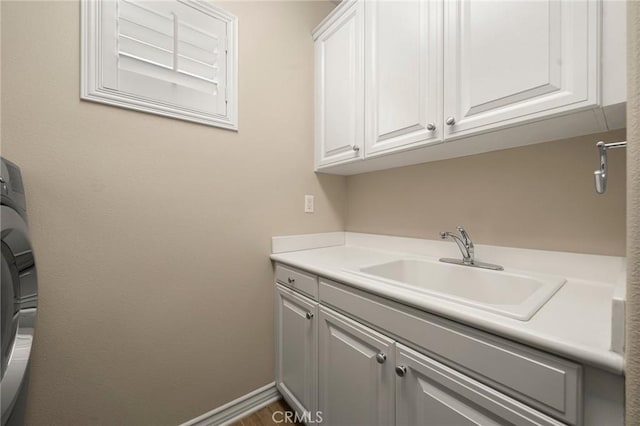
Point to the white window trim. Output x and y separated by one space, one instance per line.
91 87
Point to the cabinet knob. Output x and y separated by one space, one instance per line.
291 280
450 121
309 315
431 127
401 370
356 148
381 358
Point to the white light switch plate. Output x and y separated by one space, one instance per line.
308 204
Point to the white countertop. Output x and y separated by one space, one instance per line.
575 323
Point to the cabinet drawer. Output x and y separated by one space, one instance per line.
548 383
297 279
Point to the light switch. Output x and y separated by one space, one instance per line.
308 203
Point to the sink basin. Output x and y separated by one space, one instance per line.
513 294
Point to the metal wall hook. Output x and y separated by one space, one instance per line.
600 176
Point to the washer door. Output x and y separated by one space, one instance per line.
19 300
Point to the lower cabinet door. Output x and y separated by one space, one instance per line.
356 379
429 393
297 351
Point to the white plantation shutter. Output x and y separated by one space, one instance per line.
145 36
177 55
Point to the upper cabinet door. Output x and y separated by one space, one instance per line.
403 74
508 62
339 62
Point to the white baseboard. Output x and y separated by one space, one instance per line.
238 408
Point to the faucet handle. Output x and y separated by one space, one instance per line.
443 235
465 236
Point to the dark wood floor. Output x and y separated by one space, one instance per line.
265 416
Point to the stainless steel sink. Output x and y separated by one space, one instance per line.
513 294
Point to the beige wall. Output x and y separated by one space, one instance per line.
538 196
152 235
633 216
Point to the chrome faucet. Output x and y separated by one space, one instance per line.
466 248
464 244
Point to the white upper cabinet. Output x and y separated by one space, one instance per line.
402 74
510 61
339 80
394 79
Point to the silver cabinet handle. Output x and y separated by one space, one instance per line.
401 370
291 280
356 148
431 127
381 358
309 315
450 121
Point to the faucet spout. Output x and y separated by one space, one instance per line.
465 246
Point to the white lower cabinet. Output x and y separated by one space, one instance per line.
366 378
297 350
356 383
338 372
430 393
335 370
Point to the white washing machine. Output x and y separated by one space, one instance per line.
19 297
